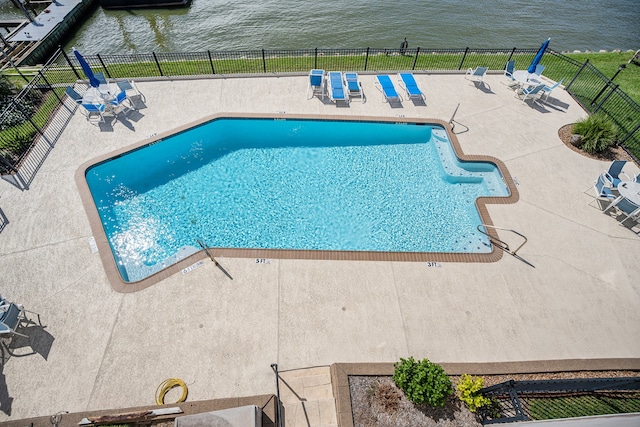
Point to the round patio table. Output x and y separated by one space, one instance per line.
630 190
101 94
525 78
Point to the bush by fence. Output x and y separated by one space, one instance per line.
593 90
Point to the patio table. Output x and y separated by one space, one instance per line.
525 78
101 94
630 190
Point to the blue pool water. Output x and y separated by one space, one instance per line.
291 184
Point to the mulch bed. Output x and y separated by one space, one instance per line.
377 402
613 153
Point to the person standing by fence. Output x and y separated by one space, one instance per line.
403 46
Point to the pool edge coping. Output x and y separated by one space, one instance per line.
119 285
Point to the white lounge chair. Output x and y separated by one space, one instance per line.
477 74
354 87
385 85
410 86
336 88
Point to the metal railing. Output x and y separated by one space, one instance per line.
29 126
550 399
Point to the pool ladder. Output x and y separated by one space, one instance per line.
504 245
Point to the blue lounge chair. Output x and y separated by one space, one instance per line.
477 74
548 89
613 175
336 88
529 92
410 86
354 88
389 93
316 83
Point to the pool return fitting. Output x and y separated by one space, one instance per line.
206 249
504 245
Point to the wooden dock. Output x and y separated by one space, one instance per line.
32 42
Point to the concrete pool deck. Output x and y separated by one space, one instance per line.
102 349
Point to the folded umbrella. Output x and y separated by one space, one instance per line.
86 68
538 57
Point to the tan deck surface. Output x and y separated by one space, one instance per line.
104 349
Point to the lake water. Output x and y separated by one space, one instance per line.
294 24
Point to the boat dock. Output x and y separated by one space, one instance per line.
31 42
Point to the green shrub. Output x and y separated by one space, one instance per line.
598 133
468 389
422 381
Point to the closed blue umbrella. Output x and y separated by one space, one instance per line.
538 57
93 81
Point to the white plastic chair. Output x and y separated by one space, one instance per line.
477 74
316 83
10 319
529 92
548 89
130 86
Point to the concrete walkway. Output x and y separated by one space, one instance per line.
102 349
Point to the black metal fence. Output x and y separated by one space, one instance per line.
29 126
552 399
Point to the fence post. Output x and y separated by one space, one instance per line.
103 65
69 62
366 60
155 58
466 49
264 62
613 89
415 60
315 58
213 71
50 87
511 54
577 74
636 129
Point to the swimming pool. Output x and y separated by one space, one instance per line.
296 184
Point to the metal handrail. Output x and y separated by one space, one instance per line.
502 244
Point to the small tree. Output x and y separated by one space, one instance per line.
422 381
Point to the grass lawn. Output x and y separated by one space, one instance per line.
608 63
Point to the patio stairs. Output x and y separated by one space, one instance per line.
307 398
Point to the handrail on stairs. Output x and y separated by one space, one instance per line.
501 243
